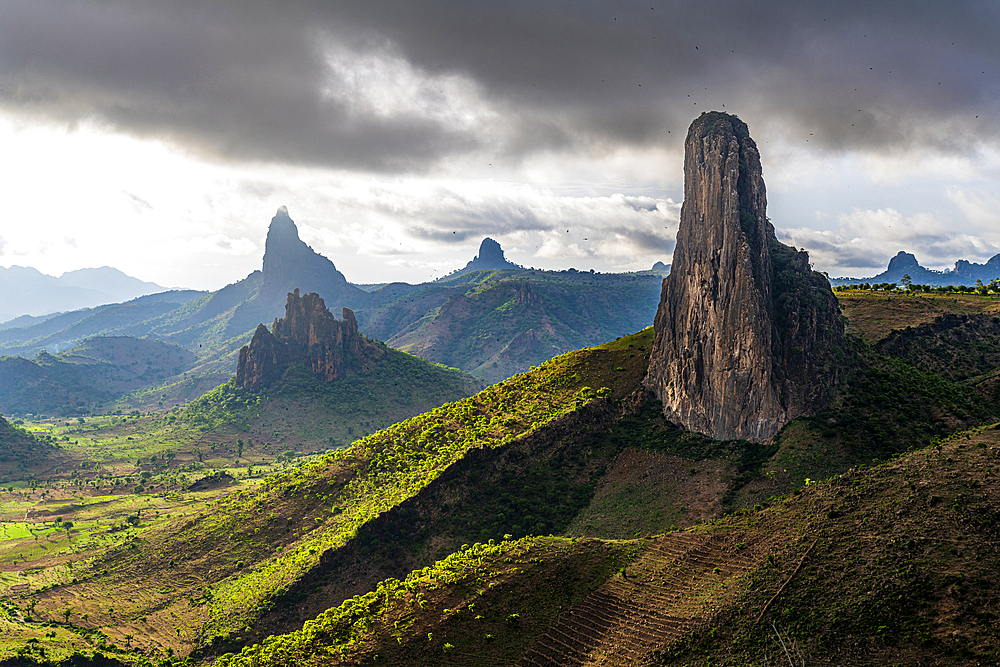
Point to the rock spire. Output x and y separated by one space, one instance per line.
747 336
290 262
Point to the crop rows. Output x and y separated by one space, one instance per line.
656 600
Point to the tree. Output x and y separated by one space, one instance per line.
906 280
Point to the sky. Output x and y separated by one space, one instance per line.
160 137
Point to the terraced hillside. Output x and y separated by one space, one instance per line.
678 581
893 564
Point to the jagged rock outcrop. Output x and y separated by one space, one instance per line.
967 273
308 334
288 263
748 337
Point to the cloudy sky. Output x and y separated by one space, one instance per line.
160 137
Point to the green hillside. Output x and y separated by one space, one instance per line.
893 564
381 547
18 446
512 320
288 526
491 324
303 410
96 371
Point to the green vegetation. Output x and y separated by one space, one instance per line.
502 322
345 555
487 603
907 285
92 373
872 316
227 564
302 409
884 565
958 348
18 446
885 407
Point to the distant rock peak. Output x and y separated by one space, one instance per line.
903 261
490 258
746 335
490 252
283 244
289 262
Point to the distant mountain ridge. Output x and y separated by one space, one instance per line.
904 263
492 318
28 291
97 371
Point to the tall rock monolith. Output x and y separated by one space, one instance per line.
747 336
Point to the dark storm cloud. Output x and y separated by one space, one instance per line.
646 240
235 82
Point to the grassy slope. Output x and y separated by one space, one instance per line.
960 348
17 445
897 391
899 566
885 407
211 575
482 605
872 315
516 319
302 411
287 536
892 564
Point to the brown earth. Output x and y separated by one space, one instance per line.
873 315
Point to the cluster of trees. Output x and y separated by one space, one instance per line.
981 288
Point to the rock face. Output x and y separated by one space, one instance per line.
968 272
308 334
288 264
747 336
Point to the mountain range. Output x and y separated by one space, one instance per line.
492 318
27 291
904 263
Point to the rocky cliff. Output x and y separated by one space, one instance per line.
308 334
747 336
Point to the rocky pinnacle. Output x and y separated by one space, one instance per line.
740 313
